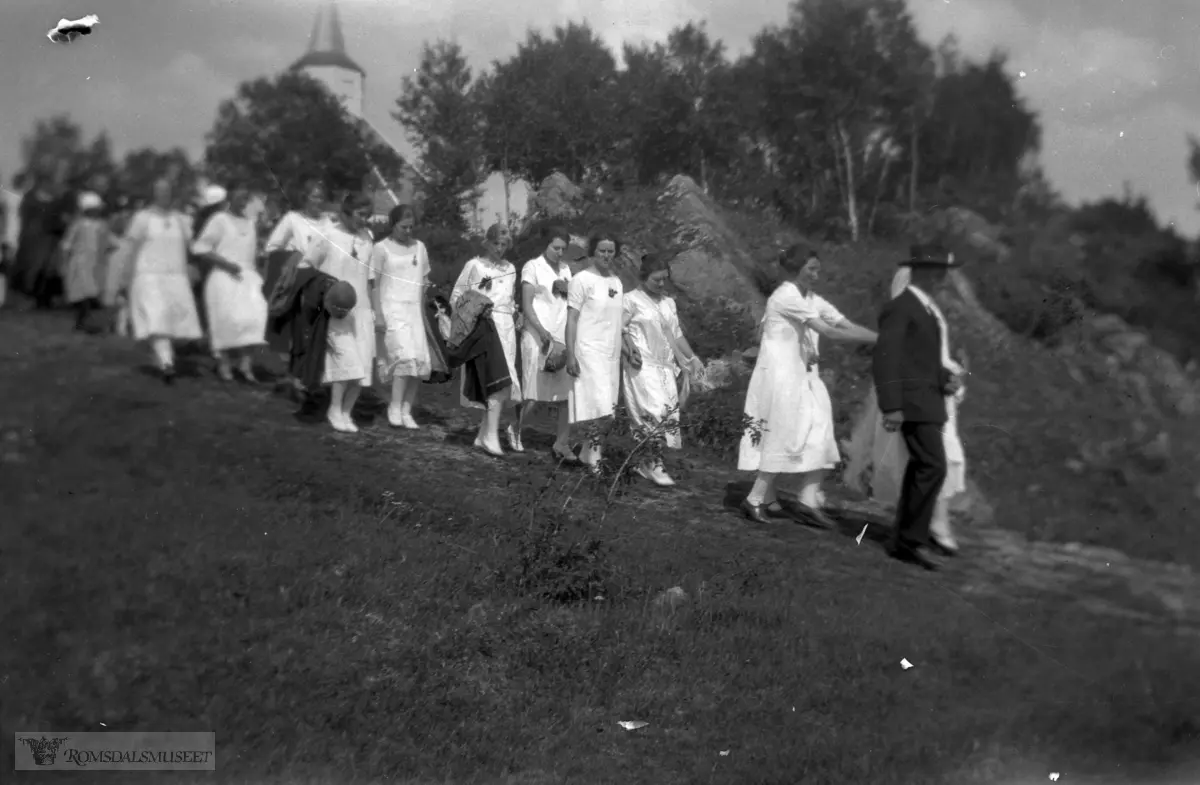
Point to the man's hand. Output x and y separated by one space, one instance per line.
892 421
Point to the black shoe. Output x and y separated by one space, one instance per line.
755 512
776 510
910 555
941 549
811 516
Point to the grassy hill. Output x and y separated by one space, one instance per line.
397 607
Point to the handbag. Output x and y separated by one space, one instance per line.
556 358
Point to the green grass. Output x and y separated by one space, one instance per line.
196 559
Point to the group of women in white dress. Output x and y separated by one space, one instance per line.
577 343
583 341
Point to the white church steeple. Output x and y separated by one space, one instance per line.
327 62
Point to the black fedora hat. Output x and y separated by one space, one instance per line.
930 255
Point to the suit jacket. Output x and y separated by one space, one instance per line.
907 363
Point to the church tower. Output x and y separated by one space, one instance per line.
327 62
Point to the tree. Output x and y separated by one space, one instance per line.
439 110
555 102
677 105
277 133
56 147
141 168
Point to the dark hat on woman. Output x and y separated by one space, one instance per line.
930 255
342 296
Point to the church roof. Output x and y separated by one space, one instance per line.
327 44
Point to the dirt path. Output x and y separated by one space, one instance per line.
993 561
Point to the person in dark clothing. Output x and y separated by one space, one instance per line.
912 383
36 243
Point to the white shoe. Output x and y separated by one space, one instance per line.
656 475
348 421
514 440
408 422
338 421
659 476
395 419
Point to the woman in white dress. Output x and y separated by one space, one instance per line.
400 265
344 252
233 296
287 244
876 458
544 283
496 278
787 404
595 319
161 307
650 386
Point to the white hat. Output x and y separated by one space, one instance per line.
213 194
90 201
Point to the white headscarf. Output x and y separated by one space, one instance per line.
901 280
213 194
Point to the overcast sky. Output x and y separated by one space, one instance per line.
1116 83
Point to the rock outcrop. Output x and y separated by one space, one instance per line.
557 197
713 264
1111 349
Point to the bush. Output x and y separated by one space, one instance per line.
715 421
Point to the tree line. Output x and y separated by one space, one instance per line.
842 118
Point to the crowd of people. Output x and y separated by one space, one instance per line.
344 305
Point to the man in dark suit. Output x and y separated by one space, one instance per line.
911 383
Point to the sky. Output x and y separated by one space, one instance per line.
1115 82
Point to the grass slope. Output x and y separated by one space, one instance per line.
352 609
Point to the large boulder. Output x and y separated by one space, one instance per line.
1154 379
557 197
713 263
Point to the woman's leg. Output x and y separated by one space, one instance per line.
410 400
349 398
562 441
395 413
592 451
246 364
763 491
524 411
164 353
337 395
489 425
224 365
939 527
810 485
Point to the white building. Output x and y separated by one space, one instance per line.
327 62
